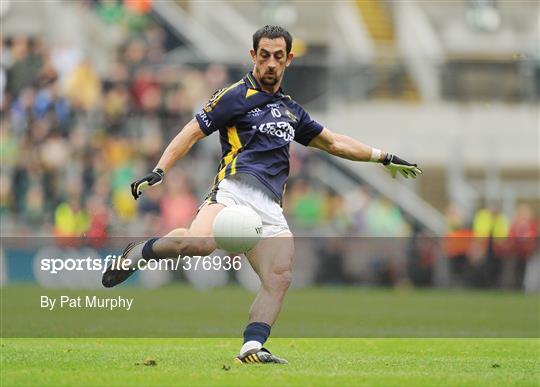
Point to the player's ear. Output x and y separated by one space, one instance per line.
289 59
253 55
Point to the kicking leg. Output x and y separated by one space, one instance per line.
197 240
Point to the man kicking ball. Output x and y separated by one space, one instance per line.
256 122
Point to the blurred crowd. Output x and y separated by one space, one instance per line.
489 250
72 139
493 250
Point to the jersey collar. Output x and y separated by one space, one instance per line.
252 83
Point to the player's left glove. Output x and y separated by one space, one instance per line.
396 164
153 178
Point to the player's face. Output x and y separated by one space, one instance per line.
270 61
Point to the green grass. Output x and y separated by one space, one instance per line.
313 362
474 338
181 311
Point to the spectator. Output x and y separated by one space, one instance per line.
83 87
357 204
178 205
111 11
306 207
70 220
34 206
421 257
337 219
385 219
98 224
523 242
489 222
25 67
490 229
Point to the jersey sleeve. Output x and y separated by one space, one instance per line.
307 128
218 112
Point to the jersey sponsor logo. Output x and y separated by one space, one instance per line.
281 129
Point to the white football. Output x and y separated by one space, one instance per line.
237 229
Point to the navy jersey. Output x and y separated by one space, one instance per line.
255 129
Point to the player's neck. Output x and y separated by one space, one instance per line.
271 90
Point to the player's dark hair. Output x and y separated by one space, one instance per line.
272 32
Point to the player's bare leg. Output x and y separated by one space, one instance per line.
197 240
272 260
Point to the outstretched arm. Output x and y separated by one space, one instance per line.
344 146
348 148
178 147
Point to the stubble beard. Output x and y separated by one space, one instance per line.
268 80
271 80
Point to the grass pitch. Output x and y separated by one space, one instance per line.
455 338
313 362
181 311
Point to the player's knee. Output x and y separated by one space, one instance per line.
187 244
199 245
177 233
205 245
279 279
285 280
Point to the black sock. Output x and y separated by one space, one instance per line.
257 331
147 252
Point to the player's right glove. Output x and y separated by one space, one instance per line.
396 164
153 178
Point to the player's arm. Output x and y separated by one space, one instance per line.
180 145
348 148
177 148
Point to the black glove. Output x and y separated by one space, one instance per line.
153 178
396 164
